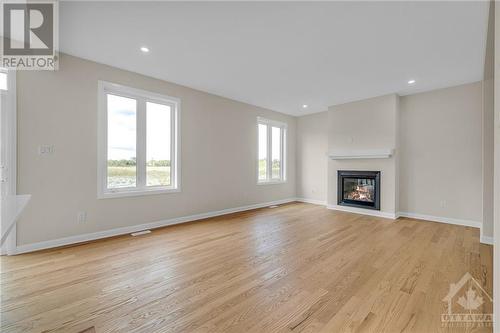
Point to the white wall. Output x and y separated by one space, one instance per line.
440 141
218 154
441 153
312 159
366 124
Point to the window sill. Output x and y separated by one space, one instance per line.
137 193
271 182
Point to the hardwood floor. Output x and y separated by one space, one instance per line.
295 268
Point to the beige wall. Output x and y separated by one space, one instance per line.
218 154
366 124
441 152
440 141
439 131
312 160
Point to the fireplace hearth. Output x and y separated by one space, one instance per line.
359 189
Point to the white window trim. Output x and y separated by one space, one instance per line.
102 137
9 101
284 129
9 78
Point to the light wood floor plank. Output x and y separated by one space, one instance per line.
295 268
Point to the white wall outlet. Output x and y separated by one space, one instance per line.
442 203
45 150
81 217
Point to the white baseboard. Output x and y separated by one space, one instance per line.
440 219
449 220
163 223
486 240
135 228
362 211
468 223
312 201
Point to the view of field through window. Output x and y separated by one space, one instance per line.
158 117
122 139
3 81
122 121
276 144
276 152
262 152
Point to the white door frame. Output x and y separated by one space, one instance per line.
9 134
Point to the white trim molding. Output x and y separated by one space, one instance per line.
487 240
9 159
359 154
71 240
467 223
312 201
440 219
362 211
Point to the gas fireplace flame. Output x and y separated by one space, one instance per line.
361 193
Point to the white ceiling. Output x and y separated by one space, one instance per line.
282 55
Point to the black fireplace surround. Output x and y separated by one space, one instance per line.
358 189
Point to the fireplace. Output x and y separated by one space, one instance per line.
359 189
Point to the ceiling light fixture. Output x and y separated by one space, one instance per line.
144 49
411 82
304 106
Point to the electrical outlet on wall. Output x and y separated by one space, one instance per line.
442 203
81 217
46 149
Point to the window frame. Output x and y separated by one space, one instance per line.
142 97
6 72
283 154
8 168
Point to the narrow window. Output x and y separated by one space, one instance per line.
276 152
271 151
3 79
262 152
159 145
122 133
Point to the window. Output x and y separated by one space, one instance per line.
271 151
138 142
3 79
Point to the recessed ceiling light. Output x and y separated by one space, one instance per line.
305 106
411 82
144 49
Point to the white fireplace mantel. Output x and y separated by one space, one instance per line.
359 154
